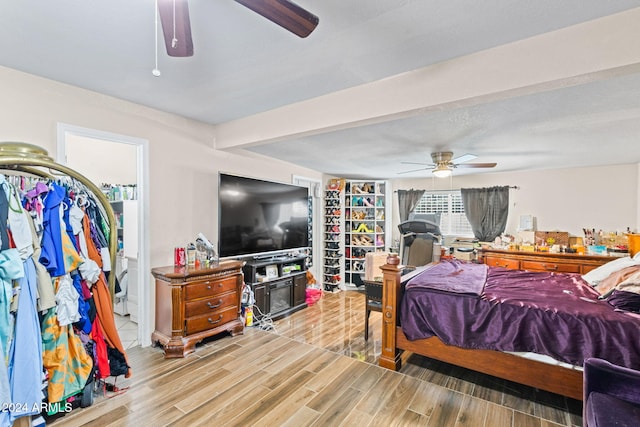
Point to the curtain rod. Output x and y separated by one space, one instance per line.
515 187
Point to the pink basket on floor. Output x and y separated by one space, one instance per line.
313 295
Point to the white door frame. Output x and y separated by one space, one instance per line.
142 176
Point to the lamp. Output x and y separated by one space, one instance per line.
442 171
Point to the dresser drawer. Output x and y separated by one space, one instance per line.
588 268
209 305
209 288
512 264
550 266
210 321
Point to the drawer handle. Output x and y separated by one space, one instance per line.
550 268
214 306
213 322
503 266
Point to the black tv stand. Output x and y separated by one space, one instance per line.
279 284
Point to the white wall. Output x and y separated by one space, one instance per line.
102 161
561 199
183 164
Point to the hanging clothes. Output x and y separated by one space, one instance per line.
52 256
19 225
76 215
100 349
66 301
71 258
92 250
5 392
46 295
84 323
53 240
102 299
33 203
10 269
65 359
4 215
25 359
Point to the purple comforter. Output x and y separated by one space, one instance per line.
558 315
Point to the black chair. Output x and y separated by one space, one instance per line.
373 302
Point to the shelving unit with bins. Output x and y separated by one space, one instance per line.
333 249
365 223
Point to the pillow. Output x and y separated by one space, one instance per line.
602 272
630 284
608 284
627 301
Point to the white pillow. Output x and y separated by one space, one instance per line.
596 275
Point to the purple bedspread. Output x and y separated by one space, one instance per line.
558 315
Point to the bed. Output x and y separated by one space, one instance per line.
460 347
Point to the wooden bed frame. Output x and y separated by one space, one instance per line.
552 378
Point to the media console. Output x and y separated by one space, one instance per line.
279 284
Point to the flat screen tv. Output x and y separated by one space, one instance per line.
259 217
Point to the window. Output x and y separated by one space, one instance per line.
449 205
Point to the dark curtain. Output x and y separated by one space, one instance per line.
486 209
407 201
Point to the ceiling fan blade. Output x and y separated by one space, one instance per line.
463 158
477 165
288 15
176 27
414 170
417 163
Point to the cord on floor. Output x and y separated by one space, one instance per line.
263 321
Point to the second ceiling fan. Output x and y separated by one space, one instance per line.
176 26
444 163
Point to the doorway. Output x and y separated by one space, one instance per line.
105 157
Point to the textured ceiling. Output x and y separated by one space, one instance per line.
244 65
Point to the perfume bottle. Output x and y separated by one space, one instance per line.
191 254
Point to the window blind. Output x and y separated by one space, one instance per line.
449 205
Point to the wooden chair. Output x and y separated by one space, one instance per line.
373 302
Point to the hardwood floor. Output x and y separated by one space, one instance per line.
313 368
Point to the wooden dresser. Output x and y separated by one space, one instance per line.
542 261
196 303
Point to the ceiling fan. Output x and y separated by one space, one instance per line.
444 163
176 26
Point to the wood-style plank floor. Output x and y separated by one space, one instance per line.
313 368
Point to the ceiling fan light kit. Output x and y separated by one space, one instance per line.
442 171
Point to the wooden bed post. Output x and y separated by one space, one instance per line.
390 357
